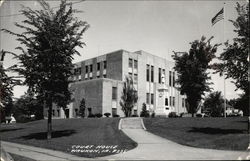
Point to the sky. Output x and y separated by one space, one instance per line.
157 27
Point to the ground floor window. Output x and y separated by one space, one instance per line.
114 111
135 112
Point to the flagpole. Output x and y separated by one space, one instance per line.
224 17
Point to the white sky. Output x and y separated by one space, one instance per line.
158 27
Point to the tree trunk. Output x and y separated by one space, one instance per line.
49 127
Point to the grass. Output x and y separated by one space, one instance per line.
70 132
213 133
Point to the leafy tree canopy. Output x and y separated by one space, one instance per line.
192 71
235 58
129 97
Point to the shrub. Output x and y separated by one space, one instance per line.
134 115
107 114
116 115
144 112
153 115
98 115
198 115
172 115
91 116
23 119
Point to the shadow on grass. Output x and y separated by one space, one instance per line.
208 130
7 130
43 135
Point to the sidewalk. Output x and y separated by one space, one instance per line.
38 153
153 147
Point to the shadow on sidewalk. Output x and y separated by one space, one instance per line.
43 135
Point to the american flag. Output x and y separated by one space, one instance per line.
219 16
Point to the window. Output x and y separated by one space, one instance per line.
170 101
105 65
104 76
170 79
98 66
114 111
135 64
152 98
130 75
53 112
135 112
166 101
58 112
98 76
159 75
87 69
183 102
130 63
91 68
135 78
76 112
147 98
114 93
163 76
173 101
173 79
152 73
147 74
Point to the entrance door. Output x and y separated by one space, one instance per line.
67 113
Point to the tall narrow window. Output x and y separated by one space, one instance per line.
159 75
173 79
152 73
170 79
163 76
147 72
135 64
152 98
86 69
170 100
105 64
135 78
147 98
98 66
114 111
173 101
114 93
166 101
91 68
130 63
183 102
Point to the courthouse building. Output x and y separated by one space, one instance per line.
100 82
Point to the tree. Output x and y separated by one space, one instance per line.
6 89
82 108
214 103
129 97
28 105
235 58
144 112
49 40
192 70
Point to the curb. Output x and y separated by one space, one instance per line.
5 156
143 126
120 124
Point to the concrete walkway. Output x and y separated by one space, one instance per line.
152 147
38 153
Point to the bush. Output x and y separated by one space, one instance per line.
172 115
153 115
116 115
134 115
91 116
198 115
181 114
107 114
98 115
23 119
144 112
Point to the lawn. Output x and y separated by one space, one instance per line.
213 133
90 137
